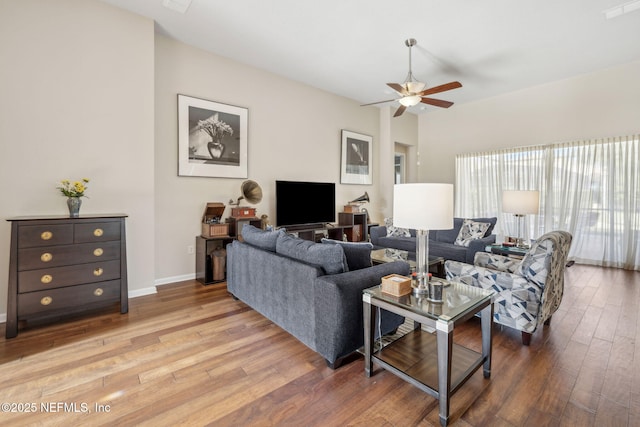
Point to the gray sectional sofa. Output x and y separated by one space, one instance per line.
441 242
311 290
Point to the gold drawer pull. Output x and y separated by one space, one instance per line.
98 292
98 252
46 257
46 300
98 232
47 278
98 271
46 235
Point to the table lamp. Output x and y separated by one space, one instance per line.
423 207
520 203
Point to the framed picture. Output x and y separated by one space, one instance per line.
356 161
212 139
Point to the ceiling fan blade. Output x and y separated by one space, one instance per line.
441 88
437 102
399 111
378 102
398 88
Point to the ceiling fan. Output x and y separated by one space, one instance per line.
413 92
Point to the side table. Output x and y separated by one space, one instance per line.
434 364
510 251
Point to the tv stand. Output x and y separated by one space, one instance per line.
351 225
315 232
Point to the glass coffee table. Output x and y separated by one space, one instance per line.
431 362
379 256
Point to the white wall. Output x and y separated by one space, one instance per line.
601 104
77 101
294 134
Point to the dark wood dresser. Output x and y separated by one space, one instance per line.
60 265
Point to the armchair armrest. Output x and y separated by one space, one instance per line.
499 281
496 262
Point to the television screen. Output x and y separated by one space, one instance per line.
305 202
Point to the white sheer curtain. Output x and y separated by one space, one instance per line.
589 188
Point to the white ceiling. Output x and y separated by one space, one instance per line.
354 47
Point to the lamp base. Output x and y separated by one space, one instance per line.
420 292
521 244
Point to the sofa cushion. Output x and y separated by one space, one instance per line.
448 251
404 243
471 230
393 231
262 239
358 253
330 258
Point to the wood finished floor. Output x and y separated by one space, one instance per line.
191 355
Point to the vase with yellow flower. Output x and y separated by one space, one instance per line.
74 190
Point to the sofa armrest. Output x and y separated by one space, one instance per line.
376 233
479 245
338 304
496 262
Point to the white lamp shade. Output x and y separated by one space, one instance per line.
423 206
520 202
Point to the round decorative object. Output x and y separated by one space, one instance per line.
74 203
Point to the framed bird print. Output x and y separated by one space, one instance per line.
212 139
356 164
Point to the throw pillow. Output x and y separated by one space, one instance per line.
393 231
470 230
262 239
330 257
358 253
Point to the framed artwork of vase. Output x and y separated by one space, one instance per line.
355 163
212 138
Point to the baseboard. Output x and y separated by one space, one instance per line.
181 278
142 292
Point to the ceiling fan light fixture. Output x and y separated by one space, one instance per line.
410 101
415 87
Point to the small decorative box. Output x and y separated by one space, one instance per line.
395 284
211 224
243 212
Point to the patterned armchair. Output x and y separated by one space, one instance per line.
528 291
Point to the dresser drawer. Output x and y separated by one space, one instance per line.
56 256
67 299
58 277
30 236
96 232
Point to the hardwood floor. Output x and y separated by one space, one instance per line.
191 355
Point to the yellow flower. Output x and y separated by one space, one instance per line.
75 189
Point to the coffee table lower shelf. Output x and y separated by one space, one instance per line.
414 358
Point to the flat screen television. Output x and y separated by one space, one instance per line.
299 203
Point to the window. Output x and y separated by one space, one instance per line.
591 189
